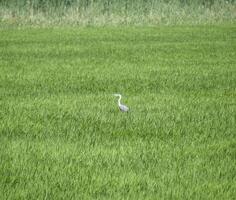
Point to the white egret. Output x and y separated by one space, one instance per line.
122 107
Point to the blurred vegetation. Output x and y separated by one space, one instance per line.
100 12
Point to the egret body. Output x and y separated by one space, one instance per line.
122 107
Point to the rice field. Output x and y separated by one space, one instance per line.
62 135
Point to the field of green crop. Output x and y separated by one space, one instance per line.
63 137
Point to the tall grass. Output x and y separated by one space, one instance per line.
116 12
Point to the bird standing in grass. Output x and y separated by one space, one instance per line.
122 107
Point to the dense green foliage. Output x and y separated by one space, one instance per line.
62 135
38 4
116 12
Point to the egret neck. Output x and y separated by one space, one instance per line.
119 100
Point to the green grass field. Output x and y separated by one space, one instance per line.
63 137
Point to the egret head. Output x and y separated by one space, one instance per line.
117 95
